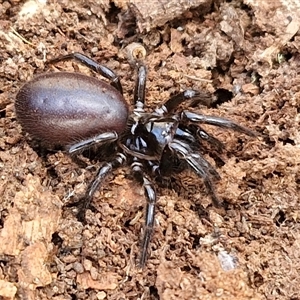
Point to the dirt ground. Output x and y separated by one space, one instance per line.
245 53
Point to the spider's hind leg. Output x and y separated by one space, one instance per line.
93 65
105 169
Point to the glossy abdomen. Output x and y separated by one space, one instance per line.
63 108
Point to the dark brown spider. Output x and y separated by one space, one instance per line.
78 112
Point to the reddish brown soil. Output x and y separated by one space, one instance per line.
247 53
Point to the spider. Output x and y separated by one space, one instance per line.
78 112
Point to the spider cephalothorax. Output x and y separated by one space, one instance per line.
79 112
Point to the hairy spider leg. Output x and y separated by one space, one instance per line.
101 139
189 131
202 134
200 166
193 95
204 99
138 168
216 121
91 64
139 90
104 170
150 193
154 168
196 158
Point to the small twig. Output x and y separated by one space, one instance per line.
20 37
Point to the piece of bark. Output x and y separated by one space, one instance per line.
26 237
281 22
8 290
151 14
34 217
106 281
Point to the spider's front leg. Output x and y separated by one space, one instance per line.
150 194
176 100
216 121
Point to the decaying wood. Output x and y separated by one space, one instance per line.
246 53
151 14
282 19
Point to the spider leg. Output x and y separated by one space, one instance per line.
216 121
105 169
150 193
183 132
210 139
140 86
189 132
91 64
154 168
200 166
195 130
101 139
176 100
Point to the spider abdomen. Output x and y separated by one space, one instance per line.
62 108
